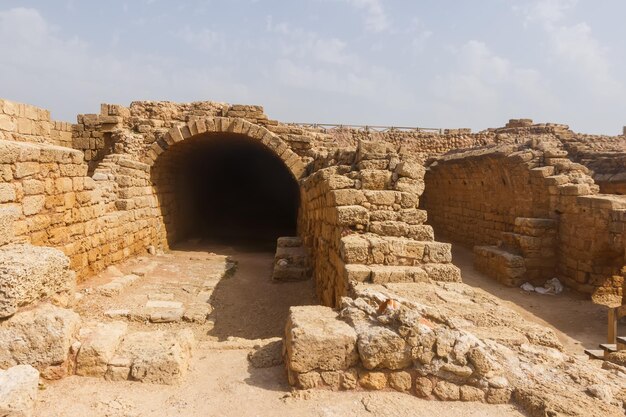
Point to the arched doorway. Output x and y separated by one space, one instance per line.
225 186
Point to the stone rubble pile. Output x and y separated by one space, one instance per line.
381 340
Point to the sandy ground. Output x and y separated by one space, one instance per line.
579 323
249 305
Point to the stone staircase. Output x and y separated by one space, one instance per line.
528 254
383 259
292 261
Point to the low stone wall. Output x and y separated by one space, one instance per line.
26 123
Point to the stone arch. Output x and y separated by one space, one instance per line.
292 161
192 197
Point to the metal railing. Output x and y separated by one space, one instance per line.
369 128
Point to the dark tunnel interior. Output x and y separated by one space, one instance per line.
226 187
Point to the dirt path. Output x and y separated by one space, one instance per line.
248 305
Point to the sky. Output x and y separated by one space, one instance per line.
421 63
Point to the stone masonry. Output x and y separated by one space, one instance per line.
76 199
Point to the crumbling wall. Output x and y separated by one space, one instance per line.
48 200
445 342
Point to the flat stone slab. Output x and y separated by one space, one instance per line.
157 357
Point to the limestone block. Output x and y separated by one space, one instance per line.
316 339
382 348
33 204
352 215
29 273
345 197
98 348
358 273
374 179
381 197
443 272
354 249
8 215
18 391
447 391
400 381
25 169
157 357
7 193
40 337
410 186
410 169
373 380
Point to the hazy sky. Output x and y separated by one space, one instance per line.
429 63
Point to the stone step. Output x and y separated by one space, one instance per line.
621 340
294 256
608 347
288 273
421 232
381 274
595 353
372 249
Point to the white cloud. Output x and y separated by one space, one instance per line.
204 39
63 74
304 45
546 11
575 45
484 83
376 19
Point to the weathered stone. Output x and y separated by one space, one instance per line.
18 391
498 395
158 357
316 339
447 391
400 381
99 348
380 347
423 387
40 337
29 273
373 380
469 393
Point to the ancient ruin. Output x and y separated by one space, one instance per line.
107 269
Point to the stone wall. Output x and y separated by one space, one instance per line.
479 197
95 221
26 123
363 225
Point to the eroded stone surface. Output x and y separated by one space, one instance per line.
18 391
316 339
40 337
29 273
